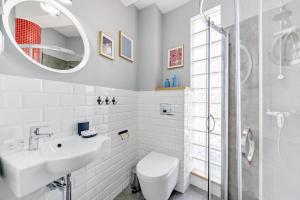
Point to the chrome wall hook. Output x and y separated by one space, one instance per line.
107 101
114 101
100 102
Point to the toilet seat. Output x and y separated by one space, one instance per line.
156 167
158 175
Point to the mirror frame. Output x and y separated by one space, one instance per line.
9 5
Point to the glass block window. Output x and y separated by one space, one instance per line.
199 86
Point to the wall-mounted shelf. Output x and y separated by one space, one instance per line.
171 88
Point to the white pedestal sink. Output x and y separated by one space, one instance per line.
27 171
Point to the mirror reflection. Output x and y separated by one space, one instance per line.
47 35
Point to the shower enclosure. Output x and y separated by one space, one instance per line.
267 49
263 99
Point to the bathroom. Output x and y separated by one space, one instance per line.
149 99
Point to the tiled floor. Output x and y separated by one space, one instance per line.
192 193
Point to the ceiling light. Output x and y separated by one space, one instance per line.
66 2
51 10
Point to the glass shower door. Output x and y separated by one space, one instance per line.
217 111
268 109
280 110
209 77
248 94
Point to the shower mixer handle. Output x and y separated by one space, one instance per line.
275 113
281 116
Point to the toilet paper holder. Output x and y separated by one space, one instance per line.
124 134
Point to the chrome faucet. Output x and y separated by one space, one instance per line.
34 137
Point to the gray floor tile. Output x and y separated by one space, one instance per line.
192 193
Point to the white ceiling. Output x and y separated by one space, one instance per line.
164 5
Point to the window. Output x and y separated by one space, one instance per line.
199 86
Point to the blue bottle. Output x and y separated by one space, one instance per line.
175 81
167 83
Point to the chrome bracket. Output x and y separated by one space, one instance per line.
248 144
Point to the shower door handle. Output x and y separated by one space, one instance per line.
248 150
214 123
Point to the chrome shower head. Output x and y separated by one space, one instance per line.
285 50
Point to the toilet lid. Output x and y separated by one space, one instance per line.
156 166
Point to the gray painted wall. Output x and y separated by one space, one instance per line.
152 32
75 43
109 16
176 32
150 44
52 37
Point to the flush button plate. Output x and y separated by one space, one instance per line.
167 109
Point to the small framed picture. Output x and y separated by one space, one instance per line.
176 57
107 46
126 47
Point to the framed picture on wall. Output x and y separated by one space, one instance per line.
176 57
107 46
126 47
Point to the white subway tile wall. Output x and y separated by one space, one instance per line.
167 134
26 102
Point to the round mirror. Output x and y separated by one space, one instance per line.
47 34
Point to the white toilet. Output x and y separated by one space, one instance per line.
158 174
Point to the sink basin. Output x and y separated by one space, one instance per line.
53 160
72 153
